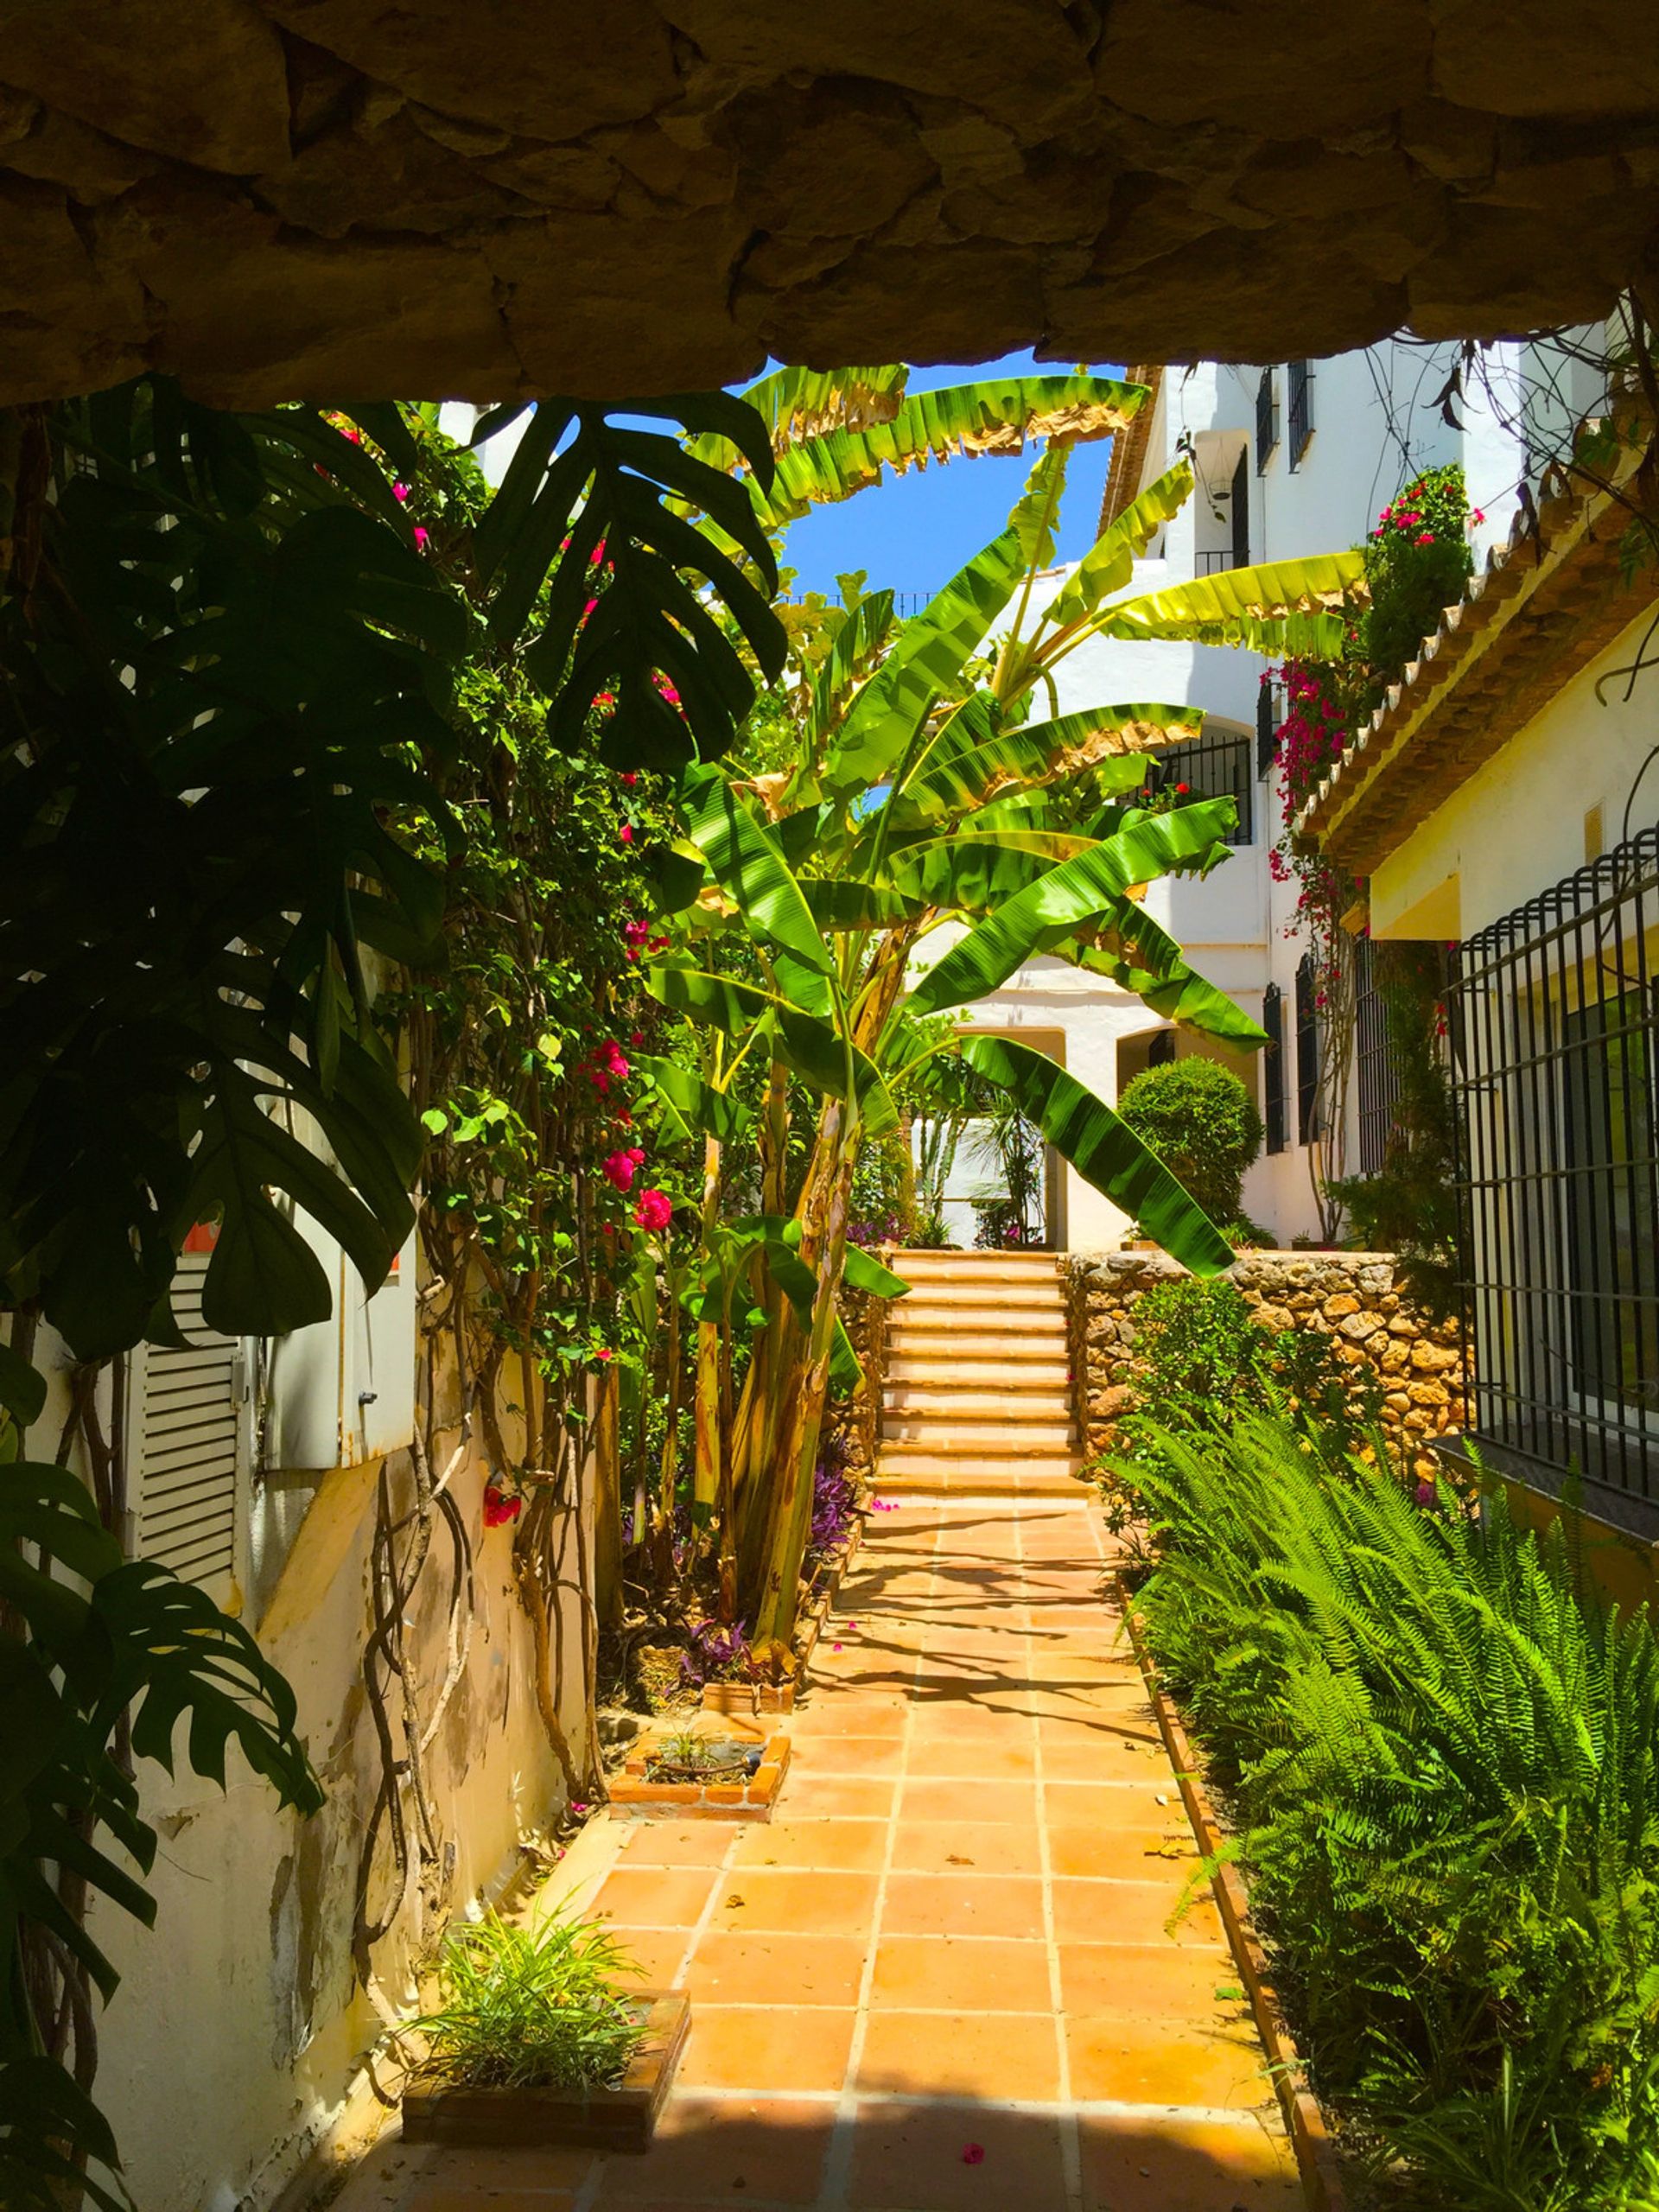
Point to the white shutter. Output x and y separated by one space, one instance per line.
186 1449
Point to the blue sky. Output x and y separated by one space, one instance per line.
913 532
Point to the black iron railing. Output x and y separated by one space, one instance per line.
1213 562
1273 1066
1307 1053
1554 1018
1267 419
1300 376
1375 1072
1211 767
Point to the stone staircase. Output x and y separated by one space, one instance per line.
978 1392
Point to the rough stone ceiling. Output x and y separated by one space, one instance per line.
485 198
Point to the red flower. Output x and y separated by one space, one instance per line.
500 1508
973 2154
625 835
620 1170
605 1353
629 779
1424 537
653 1211
420 537
1181 790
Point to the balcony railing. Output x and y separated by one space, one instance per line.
1554 1020
1215 766
1212 563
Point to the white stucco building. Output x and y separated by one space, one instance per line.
1293 459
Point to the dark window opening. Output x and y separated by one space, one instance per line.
1241 515
1307 1053
1300 375
1267 419
1267 717
1273 1066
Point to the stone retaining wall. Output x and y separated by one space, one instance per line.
1354 1297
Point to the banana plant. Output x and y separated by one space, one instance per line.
923 794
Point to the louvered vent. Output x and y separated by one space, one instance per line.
188 1423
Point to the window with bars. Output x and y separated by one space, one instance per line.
1216 765
1553 1019
1375 1075
1269 713
1266 420
1273 1066
1307 1053
1241 514
1299 376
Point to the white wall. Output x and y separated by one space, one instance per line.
234 2036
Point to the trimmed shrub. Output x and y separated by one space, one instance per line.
1202 1122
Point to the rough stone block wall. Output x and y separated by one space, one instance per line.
1381 1335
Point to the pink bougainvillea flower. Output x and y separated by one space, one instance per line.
500 1508
605 1353
655 1210
973 2154
629 779
588 609
1425 1493
1477 514
835 1647
1424 537
400 492
422 537
638 1038
625 835
578 1808
618 1170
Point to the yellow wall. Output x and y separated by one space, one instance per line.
1517 826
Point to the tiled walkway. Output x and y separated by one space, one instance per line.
941 1981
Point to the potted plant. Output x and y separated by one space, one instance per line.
534 2041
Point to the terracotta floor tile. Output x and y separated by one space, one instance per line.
462 2197
1089 1754
960 1758
976 1975
1129 1854
807 1796
654 1954
756 1900
1116 1804
924 1799
1124 2058
994 1904
1156 1980
675 1843
768 2150
969 1721
876 1755
1131 1912
769 2047
911 2156
858 1847
654 1896
850 1713
1002 2054
777 1968
1159 2165
967 1848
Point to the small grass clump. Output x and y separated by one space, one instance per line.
532 2008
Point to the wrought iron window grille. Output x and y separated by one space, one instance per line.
1300 376
1266 420
1553 1022
1308 1042
1375 1074
1211 765
1273 1066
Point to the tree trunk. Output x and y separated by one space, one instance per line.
608 1503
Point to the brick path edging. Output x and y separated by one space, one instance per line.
1316 2157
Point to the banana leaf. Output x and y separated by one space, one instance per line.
746 862
857 646
1104 1149
1116 740
960 419
1109 563
809 1044
1076 893
1280 604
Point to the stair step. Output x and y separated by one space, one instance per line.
975 1320
1031 1374
988 1262
910 1402
1002 1297
911 1472
938 1439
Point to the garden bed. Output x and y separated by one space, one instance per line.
622 2118
734 1777
779 1697
1311 2138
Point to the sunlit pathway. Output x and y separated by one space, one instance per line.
943 1978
